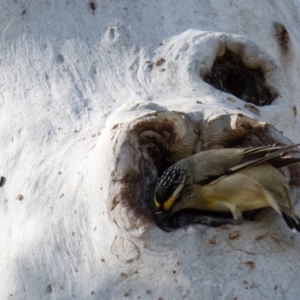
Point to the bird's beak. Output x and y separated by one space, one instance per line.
161 216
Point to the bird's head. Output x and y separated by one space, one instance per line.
170 190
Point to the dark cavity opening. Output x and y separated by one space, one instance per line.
229 74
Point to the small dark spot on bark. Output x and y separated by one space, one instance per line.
275 240
92 292
234 235
160 61
260 237
212 240
92 5
60 59
252 108
49 288
250 264
2 180
23 12
230 99
20 197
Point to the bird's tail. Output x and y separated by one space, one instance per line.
292 222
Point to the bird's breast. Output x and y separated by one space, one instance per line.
206 199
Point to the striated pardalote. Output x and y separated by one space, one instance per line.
229 180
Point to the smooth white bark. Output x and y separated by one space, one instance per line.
68 75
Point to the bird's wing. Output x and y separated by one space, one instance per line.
255 156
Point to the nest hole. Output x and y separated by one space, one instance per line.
229 74
254 138
158 153
158 157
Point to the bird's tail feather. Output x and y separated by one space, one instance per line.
291 222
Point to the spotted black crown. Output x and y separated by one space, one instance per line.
167 184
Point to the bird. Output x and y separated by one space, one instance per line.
232 180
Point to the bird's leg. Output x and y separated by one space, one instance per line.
236 213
